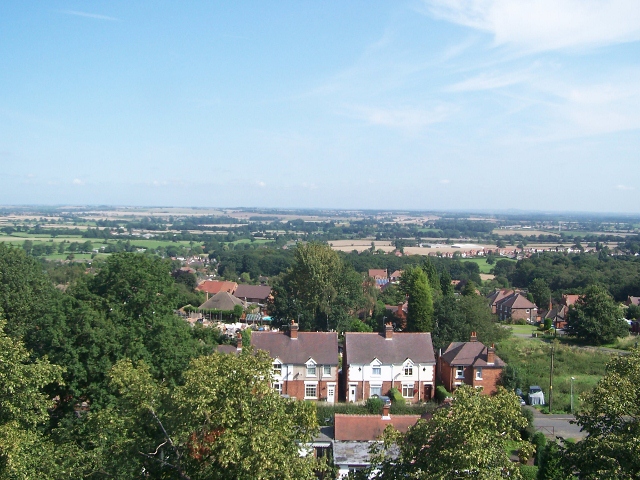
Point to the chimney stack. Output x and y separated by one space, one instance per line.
293 330
474 337
239 342
491 355
385 412
388 331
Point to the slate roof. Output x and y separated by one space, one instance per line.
214 286
222 301
321 346
369 427
227 349
362 348
261 292
469 353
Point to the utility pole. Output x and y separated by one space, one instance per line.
551 380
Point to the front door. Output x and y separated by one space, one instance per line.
428 392
352 393
331 393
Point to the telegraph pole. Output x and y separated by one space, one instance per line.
551 380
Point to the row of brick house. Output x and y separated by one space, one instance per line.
306 365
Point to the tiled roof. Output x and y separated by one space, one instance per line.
377 272
321 346
469 353
569 300
222 301
517 300
498 295
634 300
227 349
253 291
369 427
214 286
362 348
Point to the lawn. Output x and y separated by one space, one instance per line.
482 263
532 358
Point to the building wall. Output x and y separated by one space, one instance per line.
489 382
490 376
521 313
293 379
391 376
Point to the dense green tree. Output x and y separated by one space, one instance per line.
415 285
541 293
224 422
611 418
595 318
465 440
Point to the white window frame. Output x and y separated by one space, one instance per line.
277 386
407 369
313 385
378 387
326 373
459 372
277 368
312 369
406 387
377 373
478 373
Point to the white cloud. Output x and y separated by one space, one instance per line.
90 15
77 181
489 81
261 184
539 25
623 187
411 119
445 181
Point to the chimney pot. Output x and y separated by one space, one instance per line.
388 331
239 341
474 337
491 355
293 330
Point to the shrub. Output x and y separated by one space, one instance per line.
395 395
519 321
374 405
441 393
529 472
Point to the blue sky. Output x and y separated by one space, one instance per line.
423 105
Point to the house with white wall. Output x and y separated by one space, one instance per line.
374 363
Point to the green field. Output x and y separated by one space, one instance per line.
532 357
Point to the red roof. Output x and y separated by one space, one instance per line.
569 300
378 272
214 286
367 428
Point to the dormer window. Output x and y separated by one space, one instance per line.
408 370
376 370
311 369
277 368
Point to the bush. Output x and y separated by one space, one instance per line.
441 393
374 405
529 472
395 395
519 321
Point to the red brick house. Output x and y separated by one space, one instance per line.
305 364
211 287
470 363
517 306
497 296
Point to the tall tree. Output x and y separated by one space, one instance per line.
415 285
465 440
541 292
611 418
595 318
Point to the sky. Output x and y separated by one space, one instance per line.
417 105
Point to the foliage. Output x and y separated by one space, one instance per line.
550 459
441 393
510 378
529 472
540 291
612 422
595 318
395 395
467 439
374 405
224 422
415 284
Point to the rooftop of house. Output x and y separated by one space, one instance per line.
569 299
516 300
322 347
227 349
222 301
378 272
253 291
365 428
472 353
633 300
214 286
498 295
363 348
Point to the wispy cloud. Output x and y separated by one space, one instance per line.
539 25
489 81
410 119
261 184
623 187
77 181
90 15
445 181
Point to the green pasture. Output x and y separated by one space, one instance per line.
532 358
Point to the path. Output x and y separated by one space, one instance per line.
556 425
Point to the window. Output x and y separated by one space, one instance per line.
278 387
311 370
311 391
377 371
326 370
408 371
277 369
479 373
459 372
376 390
407 391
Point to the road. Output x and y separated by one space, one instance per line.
556 425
